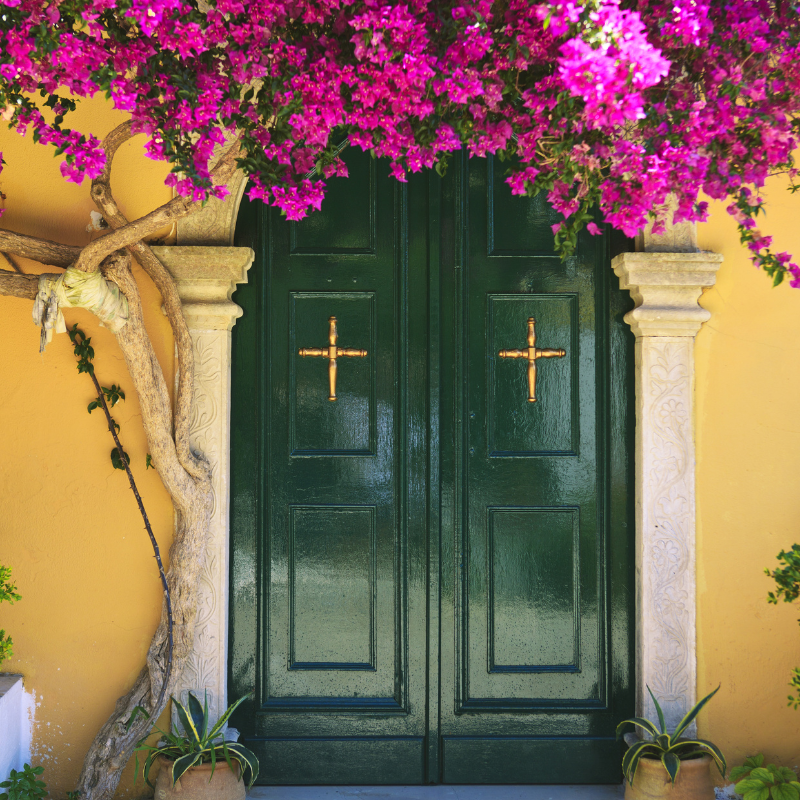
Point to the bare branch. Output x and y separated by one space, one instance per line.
16 285
93 254
104 199
16 267
42 250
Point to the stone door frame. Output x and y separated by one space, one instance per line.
665 278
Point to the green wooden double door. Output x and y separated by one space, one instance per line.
431 576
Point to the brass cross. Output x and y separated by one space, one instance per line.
332 352
532 352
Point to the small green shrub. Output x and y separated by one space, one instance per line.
24 785
757 782
8 594
787 579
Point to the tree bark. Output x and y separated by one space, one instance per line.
42 250
16 285
104 200
192 498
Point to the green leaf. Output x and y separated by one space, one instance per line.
116 461
737 773
757 794
707 747
672 764
199 718
748 785
182 764
188 725
692 714
630 761
248 759
640 722
225 717
784 791
762 774
148 462
137 711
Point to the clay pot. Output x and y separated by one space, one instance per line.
197 784
652 781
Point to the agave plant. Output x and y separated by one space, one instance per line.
670 748
197 744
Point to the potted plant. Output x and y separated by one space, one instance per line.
198 764
667 766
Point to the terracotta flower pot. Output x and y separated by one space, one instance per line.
652 781
197 783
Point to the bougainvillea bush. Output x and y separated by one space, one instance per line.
609 104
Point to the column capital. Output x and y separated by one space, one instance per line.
666 288
206 279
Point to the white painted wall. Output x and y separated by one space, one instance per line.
16 718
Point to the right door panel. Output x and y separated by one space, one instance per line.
537 529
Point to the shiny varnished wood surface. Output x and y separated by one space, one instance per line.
431 577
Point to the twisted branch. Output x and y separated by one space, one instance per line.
91 255
105 202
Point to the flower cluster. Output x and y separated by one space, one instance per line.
634 107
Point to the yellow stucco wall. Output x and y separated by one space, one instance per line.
748 458
91 599
69 526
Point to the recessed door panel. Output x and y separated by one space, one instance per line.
548 426
533 594
348 425
332 588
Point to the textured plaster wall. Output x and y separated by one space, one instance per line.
69 526
748 504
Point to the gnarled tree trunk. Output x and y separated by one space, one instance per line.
186 475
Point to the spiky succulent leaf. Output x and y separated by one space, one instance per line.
691 714
215 731
639 722
181 766
199 716
660 713
186 720
630 761
248 761
226 753
672 764
705 747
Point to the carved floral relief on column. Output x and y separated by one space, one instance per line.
667 317
668 517
206 278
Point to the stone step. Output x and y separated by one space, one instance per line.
435 793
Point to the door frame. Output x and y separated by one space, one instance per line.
665 278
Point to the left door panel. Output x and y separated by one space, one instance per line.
328 578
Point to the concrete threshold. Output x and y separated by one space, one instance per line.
449 792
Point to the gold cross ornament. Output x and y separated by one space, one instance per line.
332 352
532 352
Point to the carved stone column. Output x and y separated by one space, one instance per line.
206 278
666 287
